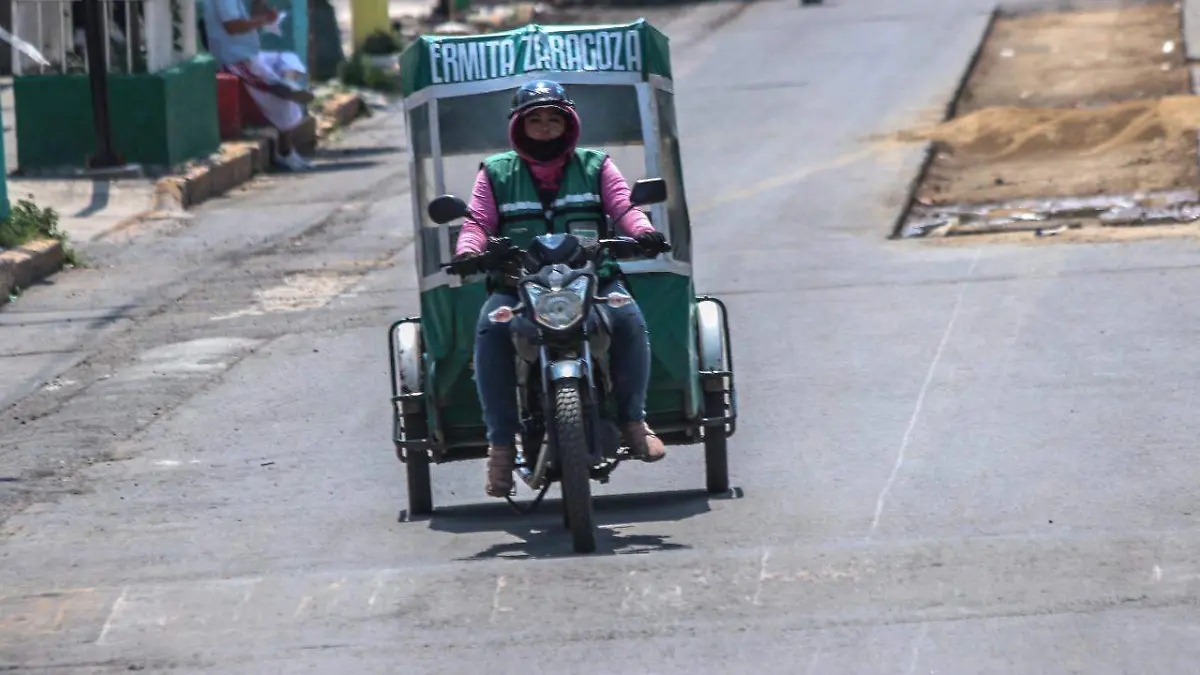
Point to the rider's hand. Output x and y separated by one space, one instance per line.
464 264
592 249
499 245
652 242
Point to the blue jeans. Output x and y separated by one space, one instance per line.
496 376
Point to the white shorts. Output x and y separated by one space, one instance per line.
283 114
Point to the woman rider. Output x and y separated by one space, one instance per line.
545 173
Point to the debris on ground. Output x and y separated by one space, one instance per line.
1075 113
1010 152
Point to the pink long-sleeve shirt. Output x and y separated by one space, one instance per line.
483 220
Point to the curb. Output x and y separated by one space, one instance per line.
236 163
27 264
240 161
340 110
951 109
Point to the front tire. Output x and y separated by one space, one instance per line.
416 465
573 458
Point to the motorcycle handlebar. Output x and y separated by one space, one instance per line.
500 250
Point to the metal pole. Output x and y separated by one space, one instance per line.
94 32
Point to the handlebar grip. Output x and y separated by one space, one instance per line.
627 247
475 266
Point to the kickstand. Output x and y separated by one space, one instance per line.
533 506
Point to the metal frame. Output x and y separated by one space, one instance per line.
648 106
647 109
478 449
686 432
399 436
455 90
708 375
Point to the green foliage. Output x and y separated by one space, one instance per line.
28 222
358 71
382 42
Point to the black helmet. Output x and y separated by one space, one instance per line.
539 93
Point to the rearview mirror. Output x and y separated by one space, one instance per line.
648 191
447 208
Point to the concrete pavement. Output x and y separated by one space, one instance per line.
953 458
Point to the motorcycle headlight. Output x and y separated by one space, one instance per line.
557 310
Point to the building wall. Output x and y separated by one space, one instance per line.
159 120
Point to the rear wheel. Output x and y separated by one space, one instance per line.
409 378
573 458
416 465
716 460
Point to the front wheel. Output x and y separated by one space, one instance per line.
716 458
573 458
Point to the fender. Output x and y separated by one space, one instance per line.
710 324
407 343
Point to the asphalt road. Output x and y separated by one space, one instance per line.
952 458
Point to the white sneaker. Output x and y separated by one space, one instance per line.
299 159
292 161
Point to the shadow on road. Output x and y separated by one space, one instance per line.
332 165
357 151
543 534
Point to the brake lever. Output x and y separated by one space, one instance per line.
665 248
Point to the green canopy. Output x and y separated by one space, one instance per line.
638 49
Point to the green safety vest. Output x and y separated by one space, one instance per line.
577 209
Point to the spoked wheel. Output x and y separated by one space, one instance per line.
420 488
573 458
716 459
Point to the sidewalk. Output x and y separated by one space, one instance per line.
86 207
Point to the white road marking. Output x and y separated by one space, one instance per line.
762 576
113 615
497 608
916 650
916 415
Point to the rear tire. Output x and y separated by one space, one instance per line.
716 458
416 465
573 457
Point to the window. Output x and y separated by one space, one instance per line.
672 174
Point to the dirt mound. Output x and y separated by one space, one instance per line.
1011 133
1069 104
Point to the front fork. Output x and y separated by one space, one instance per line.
554 372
